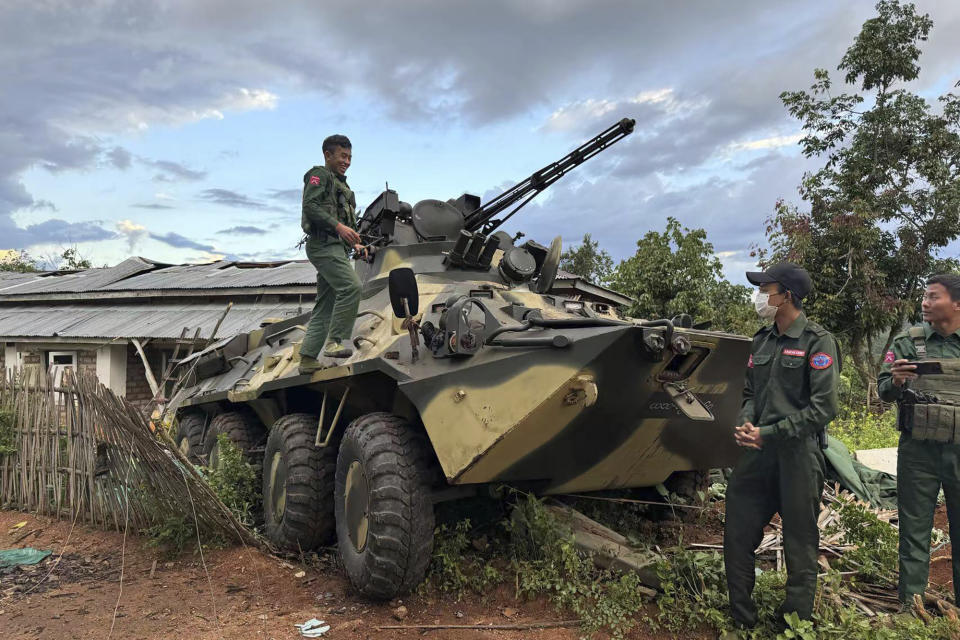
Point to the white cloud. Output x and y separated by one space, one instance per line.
570 117
773 142
132 231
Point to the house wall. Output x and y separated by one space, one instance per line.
138 390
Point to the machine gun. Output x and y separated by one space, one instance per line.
482 219
438 220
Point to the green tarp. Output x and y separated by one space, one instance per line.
876 487
25 556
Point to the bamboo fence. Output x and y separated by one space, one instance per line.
83 453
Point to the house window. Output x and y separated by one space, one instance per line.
60 361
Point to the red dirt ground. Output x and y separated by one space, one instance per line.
247 594
941 567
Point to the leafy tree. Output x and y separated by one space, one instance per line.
677 272
887 198
588 261
18 261
71 260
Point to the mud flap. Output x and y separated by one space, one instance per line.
687 402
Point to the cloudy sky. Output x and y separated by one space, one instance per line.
180 130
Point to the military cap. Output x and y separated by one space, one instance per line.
792 276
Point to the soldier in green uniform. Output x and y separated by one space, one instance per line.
789 397
928 407
329 220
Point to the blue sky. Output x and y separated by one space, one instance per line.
180 131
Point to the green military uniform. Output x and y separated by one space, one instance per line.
327 201
928 455
791 395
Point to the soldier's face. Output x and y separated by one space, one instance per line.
338 160
937 305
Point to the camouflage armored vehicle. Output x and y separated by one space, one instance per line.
467 371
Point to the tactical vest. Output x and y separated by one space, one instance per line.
346 208
938 421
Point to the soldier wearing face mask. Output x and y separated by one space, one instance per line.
789 397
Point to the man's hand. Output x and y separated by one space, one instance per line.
748 436
361 251
348 235
902 371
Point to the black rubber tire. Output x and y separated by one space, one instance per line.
190 428
306 521
689 485
398 466
242 428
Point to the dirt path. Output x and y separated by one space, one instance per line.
241 593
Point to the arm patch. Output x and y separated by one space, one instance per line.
821 360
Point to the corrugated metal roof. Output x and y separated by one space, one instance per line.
139 274
133 320
220 275
79 281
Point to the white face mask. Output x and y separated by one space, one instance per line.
761 302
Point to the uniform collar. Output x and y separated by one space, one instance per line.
795 330
929 331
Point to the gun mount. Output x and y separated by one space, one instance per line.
435 237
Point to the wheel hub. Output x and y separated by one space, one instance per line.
356 499
278 486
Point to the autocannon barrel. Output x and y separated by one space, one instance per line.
482 219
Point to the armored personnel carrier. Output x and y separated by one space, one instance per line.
467 371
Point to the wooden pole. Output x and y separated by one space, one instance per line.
151 380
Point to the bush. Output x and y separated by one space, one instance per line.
862 429
234 480
8 441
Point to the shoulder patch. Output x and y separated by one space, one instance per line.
821 360
889 357
750 362
315 180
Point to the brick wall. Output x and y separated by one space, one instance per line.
138 389
87 362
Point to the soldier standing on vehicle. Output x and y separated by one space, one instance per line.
928 416
789 397
329 220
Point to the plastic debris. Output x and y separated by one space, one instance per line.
21 557
313 628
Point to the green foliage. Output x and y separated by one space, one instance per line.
8 441
887 198
546 562
693 590
863 429
71 260
874 553
677 272
588 261
455 568
234 480
172 534
18 261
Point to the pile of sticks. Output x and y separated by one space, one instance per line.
85 454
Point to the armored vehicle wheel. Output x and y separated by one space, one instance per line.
383 505
241 428
190 428
298 485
